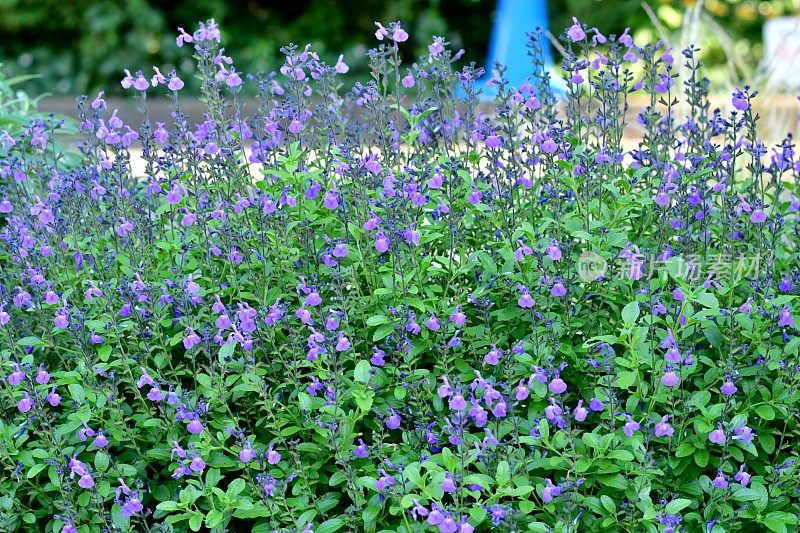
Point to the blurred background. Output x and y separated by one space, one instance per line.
81 46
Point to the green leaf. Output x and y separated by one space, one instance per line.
630 313
329 526
226 351
766 412
503 475
382 332
608 504
30 341
621 455
235 488
592 441
778 520
35 469
167 506
677 505
213 518
196 521
378 320
204 380
362 372
364 398
707 299
625 379
101 461
713 334
213 477
76 391
701 457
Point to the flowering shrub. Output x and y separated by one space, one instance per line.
389 310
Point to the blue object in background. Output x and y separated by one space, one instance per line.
508 43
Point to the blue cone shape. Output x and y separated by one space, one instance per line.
508 43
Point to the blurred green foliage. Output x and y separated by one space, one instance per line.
82 45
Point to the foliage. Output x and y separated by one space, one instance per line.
384 309
17 109
81 45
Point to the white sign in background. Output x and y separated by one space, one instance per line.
782 51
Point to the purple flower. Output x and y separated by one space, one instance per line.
499 409
53 398
663 429
377 358
100 440
785 318
662 198
381 242
493 356
384 482
549 146
720 482
670 378
526 301
16 377
575 32
457 317
758 216
448 525
247 453
155 394
399 34
361 451
197 464
742 476
558 290
331 200
457 403
191 339
42 377
86 481
596 406
580 412
436 516
393 422
552 411
195 427
553 251
557 385
493 141
433 323
175 195
718 435
448 485
175 83
521 392
25 404
739 100
85 432
130 507
728 388
550 491
273 457
313 299
630 426
743 433
475 196
343 343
